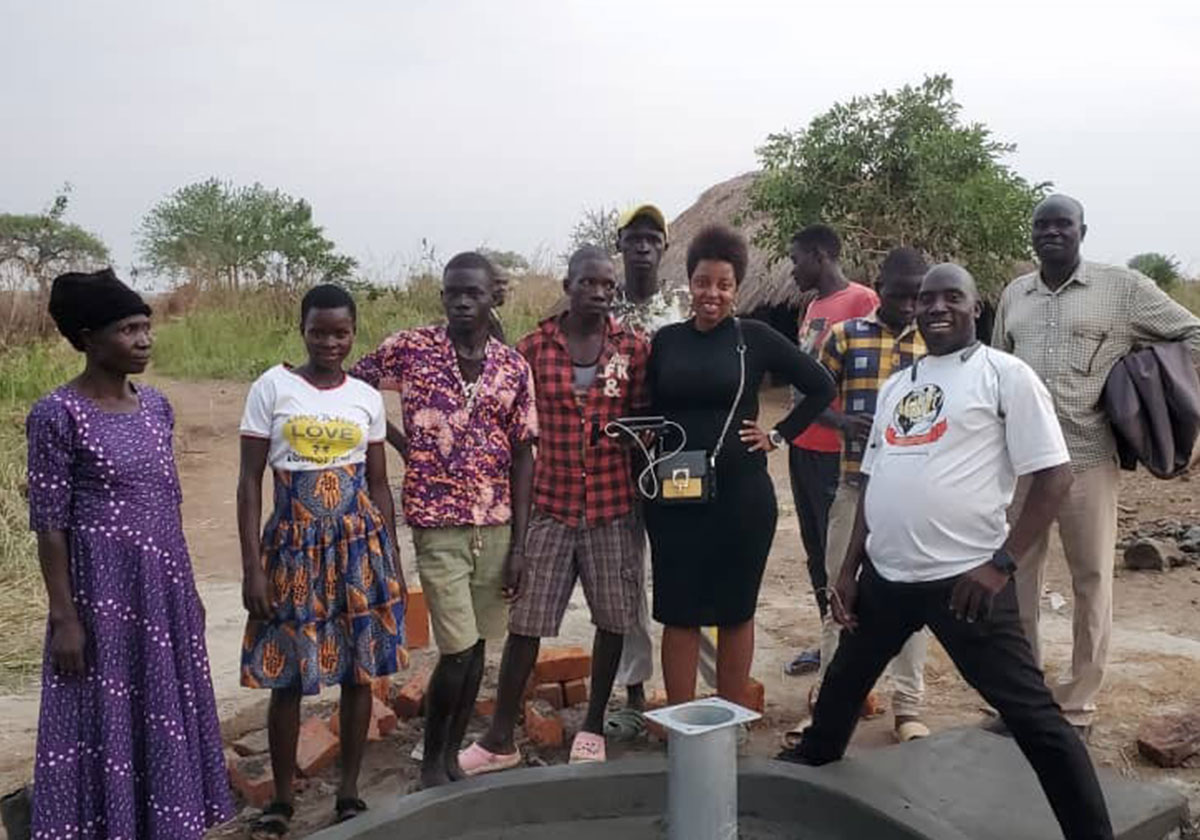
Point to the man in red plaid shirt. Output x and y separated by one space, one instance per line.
588 370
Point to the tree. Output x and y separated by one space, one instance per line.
509 262
597 226
212 233
899 168
35 248
1160 268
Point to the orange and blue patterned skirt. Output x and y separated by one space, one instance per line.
331 572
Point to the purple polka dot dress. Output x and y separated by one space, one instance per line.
132 749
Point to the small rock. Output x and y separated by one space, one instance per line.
1170 740
1057 602
1191 534
254 743
1152 555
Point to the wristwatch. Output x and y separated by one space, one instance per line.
776 439
1004 561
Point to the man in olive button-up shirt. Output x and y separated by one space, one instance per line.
1071 321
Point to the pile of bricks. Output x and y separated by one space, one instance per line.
559 681
248 760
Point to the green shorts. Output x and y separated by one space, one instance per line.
462 574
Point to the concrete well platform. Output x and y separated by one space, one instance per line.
964 784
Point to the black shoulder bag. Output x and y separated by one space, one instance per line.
689 477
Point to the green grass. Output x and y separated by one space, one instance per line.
240 337
26 373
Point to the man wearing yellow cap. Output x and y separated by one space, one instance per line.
643 305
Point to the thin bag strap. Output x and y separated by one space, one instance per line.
741 389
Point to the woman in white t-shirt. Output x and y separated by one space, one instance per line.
322 583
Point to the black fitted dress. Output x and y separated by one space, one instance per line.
708 559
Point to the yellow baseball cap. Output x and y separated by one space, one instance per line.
647 210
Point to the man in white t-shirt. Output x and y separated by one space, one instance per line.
951 436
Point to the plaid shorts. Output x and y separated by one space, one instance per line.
606 558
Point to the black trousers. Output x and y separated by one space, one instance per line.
814 478
994 657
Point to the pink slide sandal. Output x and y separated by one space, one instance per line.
475 760
588 748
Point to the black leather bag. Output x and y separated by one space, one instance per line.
690 477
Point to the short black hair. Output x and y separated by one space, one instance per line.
903 262
327 296
717 242
819 238
472 260
582 255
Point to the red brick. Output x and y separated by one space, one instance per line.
416 620
251 777
1170 740
543 725
318 747
755 696
411 696
485 706
552 693
575 692
563 664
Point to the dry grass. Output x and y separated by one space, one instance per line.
25 374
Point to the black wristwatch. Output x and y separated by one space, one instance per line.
776 439
1004 561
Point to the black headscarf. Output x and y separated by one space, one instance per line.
80 301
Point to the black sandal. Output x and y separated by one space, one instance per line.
347 809
274 821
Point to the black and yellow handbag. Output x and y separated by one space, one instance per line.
690 476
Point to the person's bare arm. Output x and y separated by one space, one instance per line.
255 596
845 588
397 439
521 479
973 594
67 636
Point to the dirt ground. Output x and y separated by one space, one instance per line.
1155 661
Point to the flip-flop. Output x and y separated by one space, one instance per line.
911 730
806 662
588 748
791 738
625 725
347 808
274 822
475 760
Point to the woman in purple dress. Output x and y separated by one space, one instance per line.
128 737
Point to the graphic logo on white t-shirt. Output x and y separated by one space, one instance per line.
321 439
917 419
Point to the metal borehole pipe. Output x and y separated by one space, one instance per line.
702 768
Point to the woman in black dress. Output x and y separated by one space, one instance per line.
709 558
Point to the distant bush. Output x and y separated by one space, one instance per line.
1160 268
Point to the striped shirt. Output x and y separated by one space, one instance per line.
1073 336
861 354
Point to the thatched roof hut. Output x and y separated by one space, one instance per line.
728 203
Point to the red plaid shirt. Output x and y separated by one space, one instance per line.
582 475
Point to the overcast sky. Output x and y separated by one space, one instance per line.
497 123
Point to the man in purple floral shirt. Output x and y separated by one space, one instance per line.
469 424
